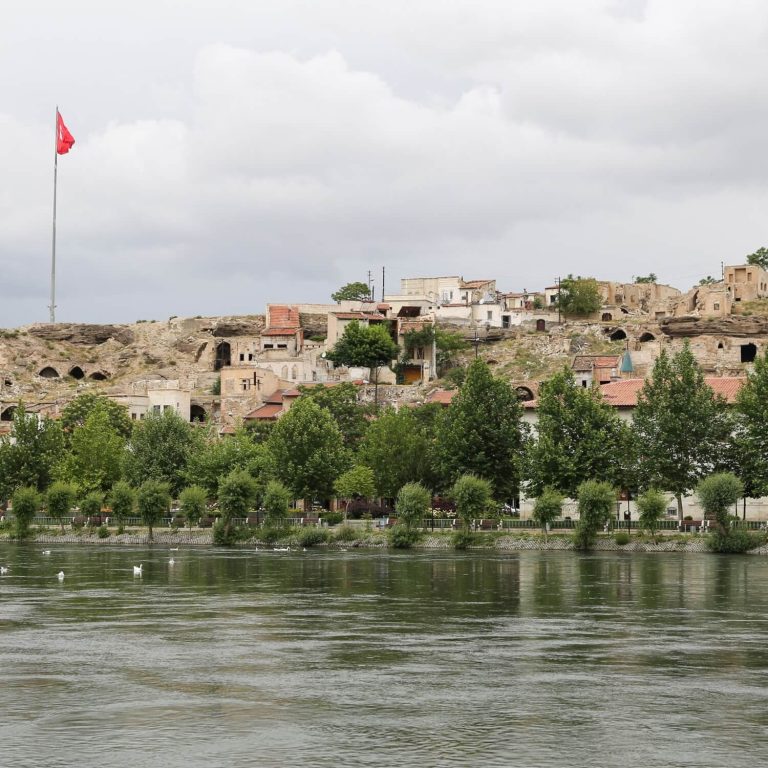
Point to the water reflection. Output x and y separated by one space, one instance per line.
353 658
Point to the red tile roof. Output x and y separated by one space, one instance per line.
275 397
280 332
588 362
442 396
623 394
283 316
269 411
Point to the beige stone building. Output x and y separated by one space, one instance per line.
747 282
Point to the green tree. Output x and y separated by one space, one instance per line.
596 503
482 433
579 437
356 483
352 292
708 280
258 430
340 401
122 499
448 346
153 501
717 493
237 493
361 346
759 258
397 449
651 278
160 448
277 499
76 413
652 505
30 454
192 503
26 502
472 495
412 504
60 499
90 504
682 427
96 453
308 450
579 296
751 433
547 508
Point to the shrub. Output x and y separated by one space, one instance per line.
269 534
622 538
471 495
153 501
332 518
401 537
123 501
736 541
103 532
277 500
91 504
26 501
547 507
412 504
224 535
192 503
345 533
652 506
309 537
717 493
60 498
462 539
596 500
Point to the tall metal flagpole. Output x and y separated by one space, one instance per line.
52 306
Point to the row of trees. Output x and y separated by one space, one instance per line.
329 445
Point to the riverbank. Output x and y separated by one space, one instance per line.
482 542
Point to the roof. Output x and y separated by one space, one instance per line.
623 394
275 397
283 316
442 396
280 331
269 411
474 283
358 315
588 362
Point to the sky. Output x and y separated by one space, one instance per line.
231 153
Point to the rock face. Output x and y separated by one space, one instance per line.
78 333
238 326
737 326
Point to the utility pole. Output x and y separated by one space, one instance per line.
382 284
558 300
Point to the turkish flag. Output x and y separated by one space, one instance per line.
64 139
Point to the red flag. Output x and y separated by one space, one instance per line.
64 139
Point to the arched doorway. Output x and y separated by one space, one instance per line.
223 355
541 325
524 394
197 413
647 337
76 372
49 373
748 353
98 376
618 335
607 317
7 414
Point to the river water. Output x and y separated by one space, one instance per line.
378 659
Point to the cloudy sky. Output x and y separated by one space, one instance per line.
234 152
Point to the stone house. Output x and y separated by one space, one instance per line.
747 282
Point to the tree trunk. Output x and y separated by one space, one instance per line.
149 537
679 497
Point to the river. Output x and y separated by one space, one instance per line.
360 658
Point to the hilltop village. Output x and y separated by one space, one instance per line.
226 370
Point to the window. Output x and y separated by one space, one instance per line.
269 346
489 315
250 357
242 357
282 346
167 408
133 416
156 408
717 306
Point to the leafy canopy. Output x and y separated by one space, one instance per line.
472 496
352 292
579 296
364 346
412 504
759 258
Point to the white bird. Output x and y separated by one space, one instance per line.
61 575
3 570
137 569
173 549
171 561
46 551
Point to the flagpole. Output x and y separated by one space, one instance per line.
52 306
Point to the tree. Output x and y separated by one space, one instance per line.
412 504
237 493
60 499
340 401
352 292
751 433
471 495
596 502
277 499
759 258
708 280
76 413
448 345
397 450
308 451
682 427
160 448
30 454
357 482
192 504
579 296
153 500
96 452
122 500
716 494
26 502
547 508
90 504
651 278
652 506
364 347
482 433
579 437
